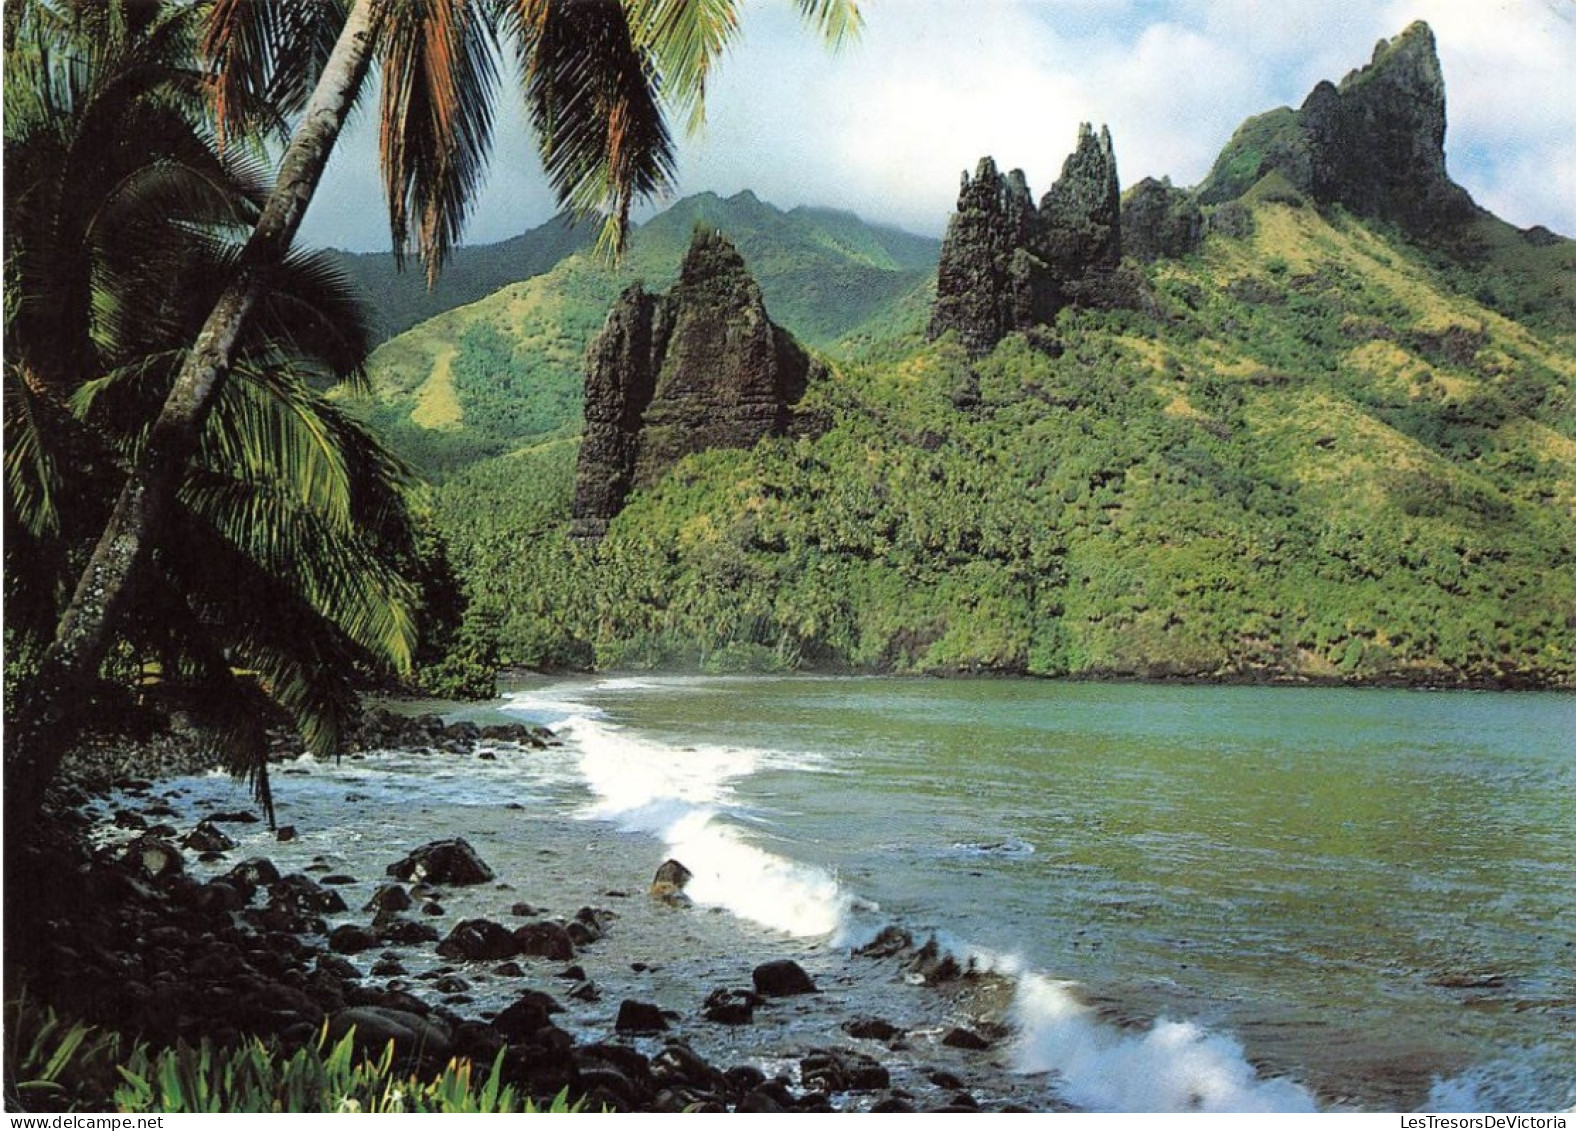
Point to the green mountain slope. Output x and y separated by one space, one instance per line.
1317 453
398 300
483 379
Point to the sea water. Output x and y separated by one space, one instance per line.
1192 898
1209 897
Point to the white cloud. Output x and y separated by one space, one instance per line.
885 126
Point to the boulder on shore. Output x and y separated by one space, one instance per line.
452 862
669 882
479 939
782 978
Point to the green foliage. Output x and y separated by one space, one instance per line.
273 578
52 1064
1312 459
254 1077
56 1065
515 358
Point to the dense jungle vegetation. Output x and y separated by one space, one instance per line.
1313 454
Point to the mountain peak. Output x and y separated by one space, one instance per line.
1375 143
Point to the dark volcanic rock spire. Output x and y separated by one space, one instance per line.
1375 143
1007 265
701 367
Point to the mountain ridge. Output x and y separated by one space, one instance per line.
1322 443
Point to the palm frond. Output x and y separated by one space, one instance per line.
838 21
686 38
261 58
593 95
32 478
439 79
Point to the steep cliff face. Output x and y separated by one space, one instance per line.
1007 265
1375 143
1160 221
701 367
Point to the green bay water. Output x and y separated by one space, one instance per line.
1211 897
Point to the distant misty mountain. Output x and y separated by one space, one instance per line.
396 300
481 379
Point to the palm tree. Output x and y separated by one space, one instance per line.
599 78
282 554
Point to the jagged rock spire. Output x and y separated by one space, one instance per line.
1007 265
701 367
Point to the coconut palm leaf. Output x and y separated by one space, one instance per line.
261 59
435 119
592 96
687 38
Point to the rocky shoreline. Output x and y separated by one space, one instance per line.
154 925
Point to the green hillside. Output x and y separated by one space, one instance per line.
397 300
1316 452
483 379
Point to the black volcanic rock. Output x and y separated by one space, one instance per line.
1160 221
701 367
1007 265
1081 220
1375 143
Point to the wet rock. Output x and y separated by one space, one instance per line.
669 882
639 1017
338 967
509 970
388 899
891 941
452 862
375 1026
235 817
524 911
285 833
871 1029
762 1101
154 858
932 966
337 879
730 1007
388 967
208 837
782 978
842 1070
300 895
961 1038
220 895
351 939
408 932
544 940
479 940
587 992
254 873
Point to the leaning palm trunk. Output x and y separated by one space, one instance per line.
86 629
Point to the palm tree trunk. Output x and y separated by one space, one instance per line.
34 749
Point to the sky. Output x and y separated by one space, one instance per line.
885 126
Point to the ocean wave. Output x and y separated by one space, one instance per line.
1174 1066
684 797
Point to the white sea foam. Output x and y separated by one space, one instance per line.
1527 1082
1171 1066
684 796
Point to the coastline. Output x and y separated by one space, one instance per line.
246 969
